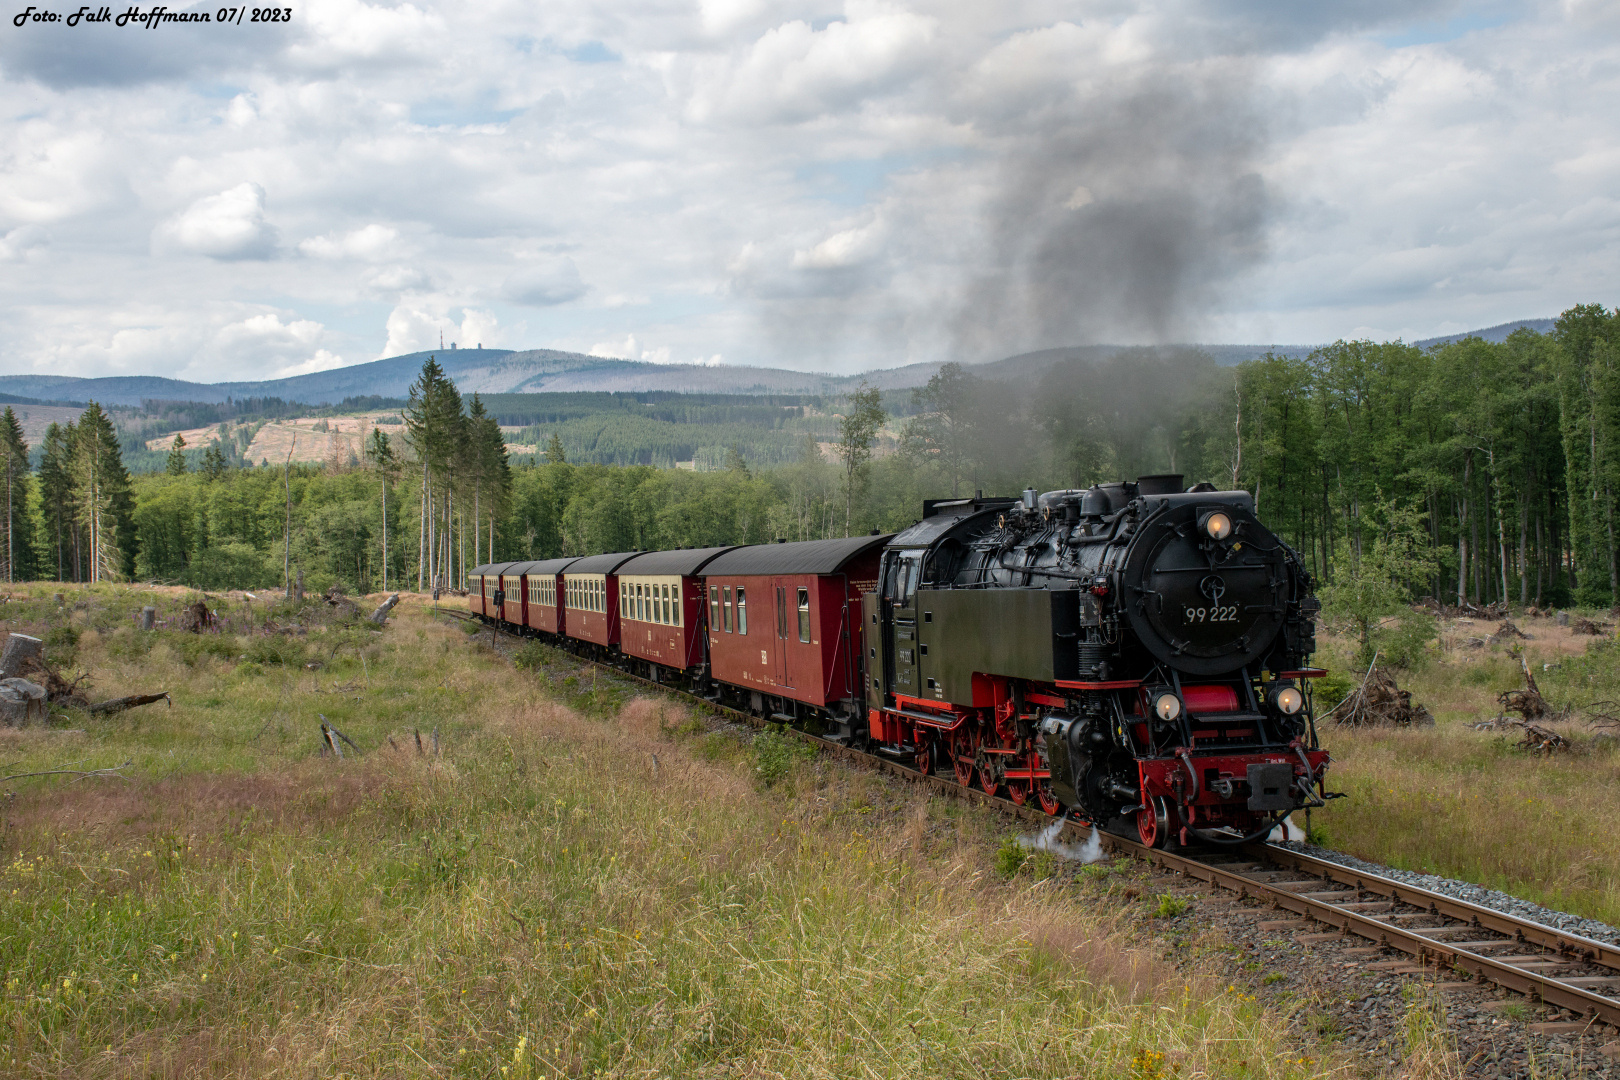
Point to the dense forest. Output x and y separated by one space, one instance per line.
1506 455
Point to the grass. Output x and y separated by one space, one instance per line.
575 887
1470 804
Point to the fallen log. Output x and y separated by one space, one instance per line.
130 702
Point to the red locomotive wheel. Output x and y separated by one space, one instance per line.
1153 823
925 756
962 745
987 778
1018 791
1049 802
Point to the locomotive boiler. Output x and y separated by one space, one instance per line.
1134 653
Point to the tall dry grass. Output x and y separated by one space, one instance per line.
559 894
1473 804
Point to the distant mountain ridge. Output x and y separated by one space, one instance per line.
533 371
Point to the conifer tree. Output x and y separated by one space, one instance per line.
106 505
58 502
176 465
16 523
213 463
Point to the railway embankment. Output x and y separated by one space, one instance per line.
1390 977
494 871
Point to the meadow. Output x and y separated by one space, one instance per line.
1474 804
579 882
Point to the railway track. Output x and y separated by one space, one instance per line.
1438 933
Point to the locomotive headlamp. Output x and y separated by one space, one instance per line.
1288 700
1166 705
1217 525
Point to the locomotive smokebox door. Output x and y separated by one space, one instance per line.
1268 787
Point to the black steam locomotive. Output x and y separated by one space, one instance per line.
1134 652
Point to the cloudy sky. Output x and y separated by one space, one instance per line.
817 184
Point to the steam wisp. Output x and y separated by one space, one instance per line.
1047 840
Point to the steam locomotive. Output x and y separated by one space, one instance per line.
1132 654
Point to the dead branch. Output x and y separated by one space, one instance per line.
60 690
1379 702
1539 740
130 702
80 774
1528 703
327 726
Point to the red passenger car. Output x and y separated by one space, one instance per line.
591 595
661 608
543 588
512 588
482 582
785 627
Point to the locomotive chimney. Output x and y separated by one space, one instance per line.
1160 484
1029 498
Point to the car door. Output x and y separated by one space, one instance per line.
786 628
900 601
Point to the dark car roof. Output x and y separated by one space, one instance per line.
489 569
686 561
548 566
602 564
808 557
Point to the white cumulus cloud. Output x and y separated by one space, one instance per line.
371 243
230 225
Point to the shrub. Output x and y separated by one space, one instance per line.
1170 907
532 656
275 649
776 753
62 637
193 647
1010 858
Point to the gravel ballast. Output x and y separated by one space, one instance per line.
1473 894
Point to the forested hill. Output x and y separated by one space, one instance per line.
531 371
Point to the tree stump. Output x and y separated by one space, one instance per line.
148 618
21 701
380 616
298 586
20 648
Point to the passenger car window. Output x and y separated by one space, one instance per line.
804 614
726 594
714 608
742 610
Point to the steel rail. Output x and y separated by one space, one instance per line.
1573 948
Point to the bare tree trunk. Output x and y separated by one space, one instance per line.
1541 560
1524 555
286 550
